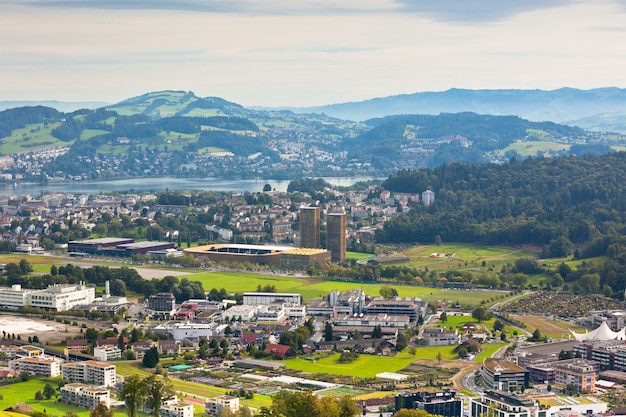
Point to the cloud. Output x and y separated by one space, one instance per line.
268 7
482 11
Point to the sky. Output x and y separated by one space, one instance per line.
305 52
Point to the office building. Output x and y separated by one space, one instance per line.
500 374
162 304
444 403
310 227
336 236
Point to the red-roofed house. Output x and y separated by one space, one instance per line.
279 351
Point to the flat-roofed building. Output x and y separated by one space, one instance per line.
310 227
59 297
107 353
502 404
413 308
177 409
162 304
84 396
214 406
500 374
96 245
336 236
255 298
579 373
91 372
439 336
38 365
443 403
303 257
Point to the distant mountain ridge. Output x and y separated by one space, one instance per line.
63 106
562 105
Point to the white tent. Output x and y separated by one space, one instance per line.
603 332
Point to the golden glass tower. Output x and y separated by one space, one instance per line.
310 227
336 236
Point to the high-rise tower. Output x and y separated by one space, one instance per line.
310 227
336 236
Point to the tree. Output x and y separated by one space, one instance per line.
157 391
412 351
101 410
151 358
267 187
498 325
133 394
328 332
388 292
377 333
481 313
38 396
439 357
536 337
48 391
405 412
443 317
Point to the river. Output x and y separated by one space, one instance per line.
158 184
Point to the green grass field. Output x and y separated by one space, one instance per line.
466 256
24 392
366 366
312 288
31 138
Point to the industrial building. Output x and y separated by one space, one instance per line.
112 246
59 297
286 256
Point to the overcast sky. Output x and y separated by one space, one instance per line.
305 52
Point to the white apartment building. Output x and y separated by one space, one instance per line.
178 409
214 406
101 374
107 353
38 365
84 396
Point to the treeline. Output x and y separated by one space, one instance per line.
17 118
560 203
487 133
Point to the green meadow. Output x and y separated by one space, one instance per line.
24 392
312 288
366 366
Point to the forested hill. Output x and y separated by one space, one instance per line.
562 203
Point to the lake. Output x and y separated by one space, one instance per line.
159 184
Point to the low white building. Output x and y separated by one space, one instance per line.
59 297
178 409
181 331
244 312
84 396
214 406
107 353
37 365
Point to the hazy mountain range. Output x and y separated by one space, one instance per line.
595 109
